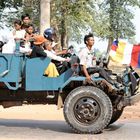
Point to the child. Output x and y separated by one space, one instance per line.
29 36
30 31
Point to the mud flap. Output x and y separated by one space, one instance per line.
7 104
59 101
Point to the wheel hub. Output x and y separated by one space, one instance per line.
86 110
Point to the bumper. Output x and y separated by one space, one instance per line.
134 99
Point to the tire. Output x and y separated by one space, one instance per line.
116 115
87 110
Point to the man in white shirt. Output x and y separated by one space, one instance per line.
8 41
8 44
87 60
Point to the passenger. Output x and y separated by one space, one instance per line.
30 31
50 54
48 50
26 20
18 33
50 35
87 56
29 36
43 48
37 50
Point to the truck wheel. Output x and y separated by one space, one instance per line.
116 115
87 110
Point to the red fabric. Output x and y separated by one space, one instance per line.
135 56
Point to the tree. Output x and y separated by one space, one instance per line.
109 19
117 15
32 7
44 15
72 18
10 7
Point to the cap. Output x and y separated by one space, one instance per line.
39 39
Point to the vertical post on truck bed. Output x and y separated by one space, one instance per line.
17 46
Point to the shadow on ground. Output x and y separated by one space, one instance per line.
52 125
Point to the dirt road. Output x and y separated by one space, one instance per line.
45 122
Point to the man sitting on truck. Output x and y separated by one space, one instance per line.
87 57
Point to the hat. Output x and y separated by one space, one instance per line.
39 39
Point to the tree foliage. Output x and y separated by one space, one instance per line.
108 19
118 15
72 17
8 11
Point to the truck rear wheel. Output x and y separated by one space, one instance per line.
87 110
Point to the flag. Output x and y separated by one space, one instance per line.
135 57
125 53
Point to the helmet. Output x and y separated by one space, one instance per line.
49 34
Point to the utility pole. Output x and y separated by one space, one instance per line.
44 15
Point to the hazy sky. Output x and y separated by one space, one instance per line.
136 22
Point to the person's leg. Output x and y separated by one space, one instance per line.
93 70
102 73
65 66
105 75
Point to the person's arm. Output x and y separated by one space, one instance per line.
86 73
54 57
61 52
82 57
25 50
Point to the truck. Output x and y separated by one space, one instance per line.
88 107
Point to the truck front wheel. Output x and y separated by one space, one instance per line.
87 110
116 115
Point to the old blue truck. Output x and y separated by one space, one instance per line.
88 107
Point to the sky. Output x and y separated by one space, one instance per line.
136 22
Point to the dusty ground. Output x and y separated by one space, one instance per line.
33 112
50 112
131 112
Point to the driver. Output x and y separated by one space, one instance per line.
50 35
69 61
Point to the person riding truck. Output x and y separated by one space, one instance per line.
87 56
